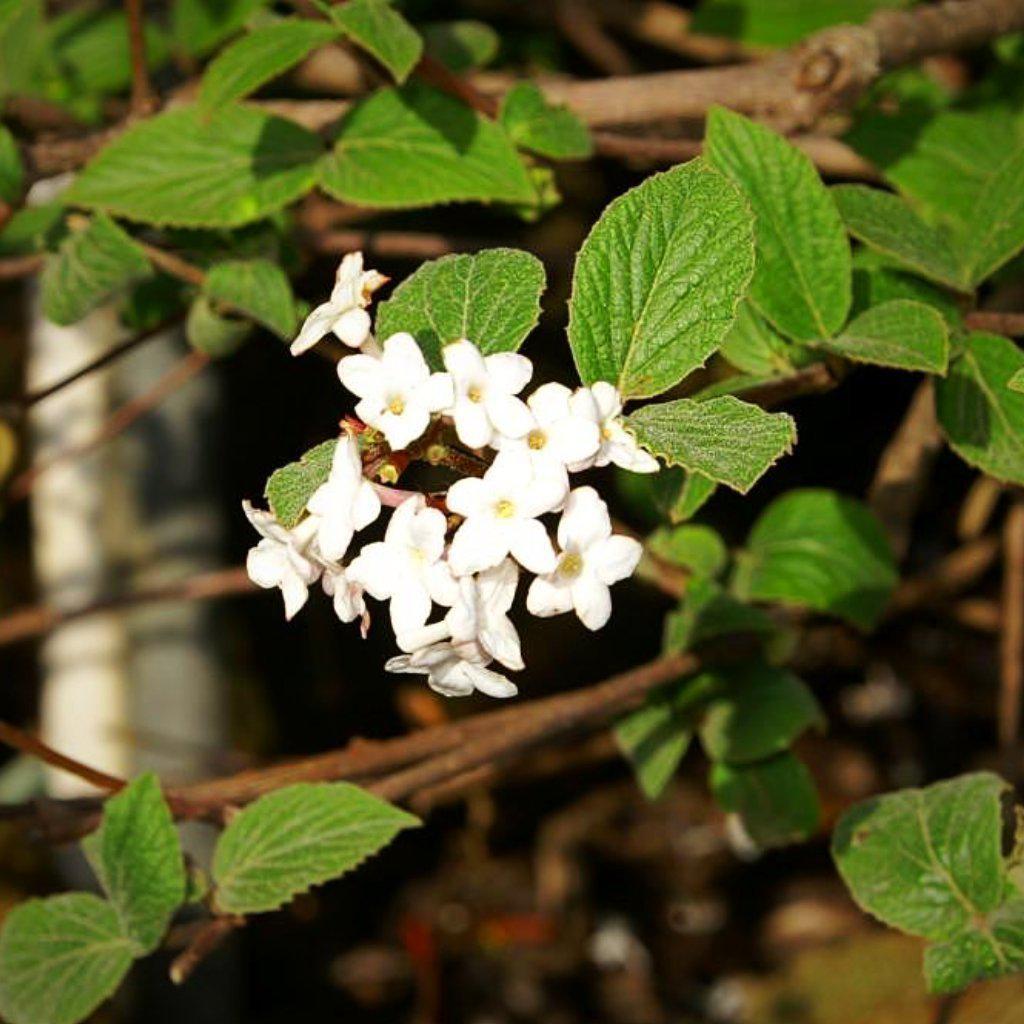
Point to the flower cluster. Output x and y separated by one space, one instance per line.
467 562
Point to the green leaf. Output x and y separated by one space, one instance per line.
199 26
542 127
929 862
763 710
888 224
90 266
209 331
707 611
730 441
753 346
256 58
903 334
697 548
461 46
33 229
875 282
654 739
12 174
680 495
981 416
258 288
996 231
415 146
817 549
775 799
60 958
380 30
22 44
491 297
185 169
1016 382
290 487
298 837
137 858
802 278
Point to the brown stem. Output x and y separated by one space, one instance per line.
1009 324
203 943
1011 646
28 744
144 100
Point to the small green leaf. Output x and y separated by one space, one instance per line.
186 169
817 549
658 280
775 799
1016 382
137 858
996 232
491 297
762 711
22 45
60 958
654 740
199 26
416 146
290 487
12 173
707 611
90 266
981 416
753 346
730 441
802 278
210 332
258 288
33 229
256 58
697 548
903 334
542 127
680 495
461 45
380 30
875 281
298 837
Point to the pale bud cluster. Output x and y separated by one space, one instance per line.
470 572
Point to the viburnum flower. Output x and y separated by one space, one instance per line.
345 503
283 558
602 404
485 387
346 593
480 615
454 670
397 390
591 560
344 312
500 510
406 567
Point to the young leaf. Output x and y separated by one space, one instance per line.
256 287
753 346
1016 382
461 46
137 858
12 173
725 439
707 611
33 229
548 129
763 710
492 298
697 548
290 487
996 231
210 332
875 281
929 862
802 278
658 279
775 799
90 266
415 146
60 958
22 45
256 58
817 549
199 26
981 416
380 30
185 169
654 740
888 224
679 495
902 334
298 837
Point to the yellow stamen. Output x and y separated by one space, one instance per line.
606 430
536 439
396 406
475 394
505 509
571 564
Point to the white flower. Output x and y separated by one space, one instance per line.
282 558
406 567
591 560
602 404
485 387
501 510
480 614
454 670
345 503
344 312
347 594
397 389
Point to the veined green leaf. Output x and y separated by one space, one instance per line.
706 611
290 487
691 546
199 26
542 127
380 30
211 332
461 45
753 346
258 288
1016 382
654 739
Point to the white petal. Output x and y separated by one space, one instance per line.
497 587
511 473
295 594
403 357
437 392
410 606
531 546
477 545
592 601
627 454
442 584
462 359
494 684
377 569
547 596
574 439
606 395
335 535
614 558
451 680
401 431
366 507
472 424
501 641
547 491
550 403
509 415
353 327
347 279
415 641
584 405
319 322
468 496
266 564
509 371
402 663
585 520
364 376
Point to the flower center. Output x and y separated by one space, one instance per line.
417 556
537 439
571 564
606 430
396 406
505 509
475 393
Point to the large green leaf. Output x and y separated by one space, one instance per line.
724 439
981 416
185 169
542 127
137 858
802 278
492 298
60 958
817 549
929 861
903 334
298 837
256 58
258 288
290 487
658 279
89 266
416 146
380 30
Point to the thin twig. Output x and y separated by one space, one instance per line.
143 101
29 744
1011 645
203 943
811 380
1009 324
577 22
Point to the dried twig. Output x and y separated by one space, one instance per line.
204 942
28 744
144 101
1009 324
578 22
1011 645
